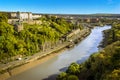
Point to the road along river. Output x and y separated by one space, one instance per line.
79 53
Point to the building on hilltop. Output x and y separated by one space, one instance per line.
26 17
13 15
18 18
36 16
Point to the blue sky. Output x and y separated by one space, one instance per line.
62 6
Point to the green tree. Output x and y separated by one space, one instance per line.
3 17
74 68
62 76
72 77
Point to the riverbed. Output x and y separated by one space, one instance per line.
79 53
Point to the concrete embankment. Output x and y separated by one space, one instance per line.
41 57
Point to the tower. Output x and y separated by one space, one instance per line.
19 24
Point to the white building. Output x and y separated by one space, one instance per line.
25 16
13 15
35 16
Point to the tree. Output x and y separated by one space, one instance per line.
62 76
74 68
72 77
114 75
3 17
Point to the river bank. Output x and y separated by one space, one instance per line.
27 66
106 37
41 57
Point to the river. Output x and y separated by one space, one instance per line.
79 53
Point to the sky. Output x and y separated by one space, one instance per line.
62 6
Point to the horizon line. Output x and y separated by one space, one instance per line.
63 13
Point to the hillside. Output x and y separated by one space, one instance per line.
33 38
